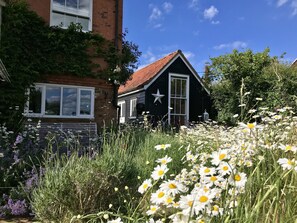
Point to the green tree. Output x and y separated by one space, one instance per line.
238 79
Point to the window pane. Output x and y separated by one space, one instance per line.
173 87
84 5
69 101
85 102
184 88
178 88
183 106
52 100
71 4
84 23
59 2
69 19
35 100
57 19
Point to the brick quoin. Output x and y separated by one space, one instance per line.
103 23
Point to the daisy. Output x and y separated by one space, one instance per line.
159 172
206 171
239 179
215 210
118 220
173 187
213 180
287 148
162 146
153 209
179 217
144 186
186 203
287 163
224 168
202 198
219 156
166 159
158 197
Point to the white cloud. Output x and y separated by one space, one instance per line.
294 6
157 26
233 45
189 54
156 13
194 4
167 6
211 12
281 2
215 22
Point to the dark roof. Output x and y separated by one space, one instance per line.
146 74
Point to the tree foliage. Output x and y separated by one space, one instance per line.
31 49
239 79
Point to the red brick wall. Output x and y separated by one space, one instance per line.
104 23
104 111
104 15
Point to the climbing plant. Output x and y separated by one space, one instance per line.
31 49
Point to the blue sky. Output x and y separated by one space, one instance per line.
210 28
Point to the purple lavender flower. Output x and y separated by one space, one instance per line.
18 139
18 207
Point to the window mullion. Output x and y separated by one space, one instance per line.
78 102
61 101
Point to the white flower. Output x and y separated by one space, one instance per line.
206 171
219 156
145 186
166 159
224 168
287 148
162 146
238 179
286 163
118 220
153 209
159 172
158 197
173 187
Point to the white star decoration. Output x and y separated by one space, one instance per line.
158 96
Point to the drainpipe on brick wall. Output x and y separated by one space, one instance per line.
115 84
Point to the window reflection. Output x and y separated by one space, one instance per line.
85 102
69 101
52 100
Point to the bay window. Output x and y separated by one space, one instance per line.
49 100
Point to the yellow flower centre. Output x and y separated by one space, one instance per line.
237 177
161 194
213 178
225 168
153 208
169 200
222 156
163 161
203 199
172 186
290 162
216 208
145 186
207 170
206 189
160 172
162 146
251 125
190 203
288 147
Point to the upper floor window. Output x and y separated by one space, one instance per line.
65 12
48 100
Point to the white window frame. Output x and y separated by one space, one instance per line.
68 11
122 104
78 99
133 101
184 77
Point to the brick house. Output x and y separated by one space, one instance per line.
69 100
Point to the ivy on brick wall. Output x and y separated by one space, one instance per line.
31 49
